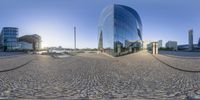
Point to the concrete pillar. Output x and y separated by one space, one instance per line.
118 49
130 49
135 50
154 48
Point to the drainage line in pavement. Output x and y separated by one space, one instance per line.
16 67
191 71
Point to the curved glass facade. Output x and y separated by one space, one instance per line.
121 28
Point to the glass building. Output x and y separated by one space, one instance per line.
9 38
120 30
34 39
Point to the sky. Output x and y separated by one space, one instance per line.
54 20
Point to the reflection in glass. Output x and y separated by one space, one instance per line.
121 28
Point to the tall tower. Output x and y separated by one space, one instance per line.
100 46
190 34
74 38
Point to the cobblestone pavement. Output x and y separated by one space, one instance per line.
192 64
92 76
10 54
181 54
8 63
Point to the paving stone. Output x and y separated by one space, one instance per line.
93 76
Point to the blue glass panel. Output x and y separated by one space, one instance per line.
121 27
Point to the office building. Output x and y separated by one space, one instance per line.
9 38
0 39
25 46
185 47
171 45
190 46
190 39
121 30
34 39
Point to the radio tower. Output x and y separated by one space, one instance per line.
74 38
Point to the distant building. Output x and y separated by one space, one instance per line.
190 46
58 49
183 47
196 47
25 46
190 39
9 38
1 42
146 44
34 39
171 45
159 44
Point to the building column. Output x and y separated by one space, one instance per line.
118 49
130 49
155 48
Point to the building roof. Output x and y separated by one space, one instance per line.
30 38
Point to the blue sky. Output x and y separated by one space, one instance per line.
54 19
